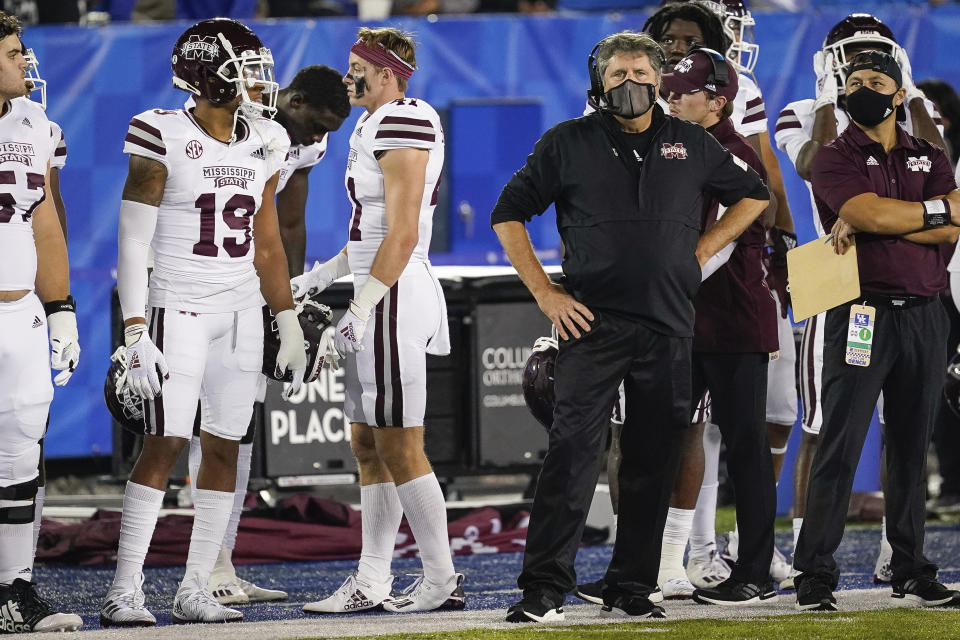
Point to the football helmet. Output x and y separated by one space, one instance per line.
863 31
125 406
951 388
738 25
33 78
219 59
316 322
537 380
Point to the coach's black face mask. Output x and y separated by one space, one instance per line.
868 107
630 99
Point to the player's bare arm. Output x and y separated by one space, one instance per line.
824 132
58 201
733 223
783 217
404 177
53 272
269 258
291 207
769 216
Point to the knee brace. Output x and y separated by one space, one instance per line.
17 502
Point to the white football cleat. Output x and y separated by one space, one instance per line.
779 567
787 583
676 588
423 595
882 572
126 608
23 610
260 594
706 572
195 603
355 594
226 589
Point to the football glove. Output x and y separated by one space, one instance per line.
145 363
64 340
291 354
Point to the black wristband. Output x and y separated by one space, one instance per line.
54 306
936 213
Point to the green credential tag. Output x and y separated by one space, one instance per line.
860 335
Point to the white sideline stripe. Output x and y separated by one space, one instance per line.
453 621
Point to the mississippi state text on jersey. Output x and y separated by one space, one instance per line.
302 156
403 123
203 244
26 148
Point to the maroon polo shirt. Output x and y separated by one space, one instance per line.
914 170
735 310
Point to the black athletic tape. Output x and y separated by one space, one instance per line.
54 306
22 514
23 491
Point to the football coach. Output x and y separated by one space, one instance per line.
629 184
898 194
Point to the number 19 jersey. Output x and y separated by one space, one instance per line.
403 123
203 244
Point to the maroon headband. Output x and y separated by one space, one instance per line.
383 57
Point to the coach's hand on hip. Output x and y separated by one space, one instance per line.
564 311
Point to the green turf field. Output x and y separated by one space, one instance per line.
889 624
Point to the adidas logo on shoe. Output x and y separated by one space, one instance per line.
12 620
37 322
358 602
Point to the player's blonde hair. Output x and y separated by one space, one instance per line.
400 42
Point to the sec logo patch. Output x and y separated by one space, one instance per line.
194 149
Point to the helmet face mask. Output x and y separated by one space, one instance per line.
316 320
33 78
738 24
855 33
220 60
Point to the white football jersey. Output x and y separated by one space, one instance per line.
59 158
795 129
302 156
749 113
403 123
203 244
25 151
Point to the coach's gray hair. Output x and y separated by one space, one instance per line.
629 42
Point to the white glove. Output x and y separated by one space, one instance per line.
907 72
291 354
349 335
143 361
331 359
320 277
64 345
827 89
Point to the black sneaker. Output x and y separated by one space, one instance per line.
22 610
592 592
626 606
536 607
926 592
732 592
814 594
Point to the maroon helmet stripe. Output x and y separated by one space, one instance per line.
416 122
378 366
396 384
406 135
132 139
140 124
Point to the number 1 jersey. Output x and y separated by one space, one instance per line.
404 123
203 244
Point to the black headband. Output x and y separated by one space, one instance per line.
876 61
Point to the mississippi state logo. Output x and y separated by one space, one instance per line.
202 48
674 151
194 149
919 164
683 66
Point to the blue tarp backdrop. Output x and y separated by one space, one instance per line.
101 76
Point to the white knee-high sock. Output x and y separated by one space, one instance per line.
16 544
193 465
675 535
141 506
703 535
426 511
37 515
211 514
380 516
239 494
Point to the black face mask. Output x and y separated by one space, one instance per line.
869 108
631 99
